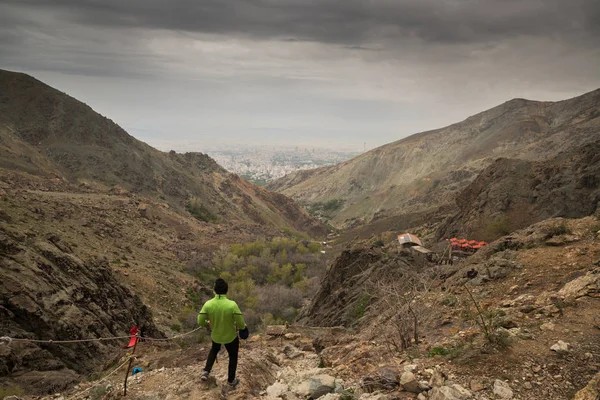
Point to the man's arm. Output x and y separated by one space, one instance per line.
238 317
202 316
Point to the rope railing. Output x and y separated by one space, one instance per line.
101 380
8 339
172 338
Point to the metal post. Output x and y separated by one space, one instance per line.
129 366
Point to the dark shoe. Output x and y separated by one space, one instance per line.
204 376
234 383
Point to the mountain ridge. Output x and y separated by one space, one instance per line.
427 170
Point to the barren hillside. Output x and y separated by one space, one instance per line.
427 170
47 133
511 194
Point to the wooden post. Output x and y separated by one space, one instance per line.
129 366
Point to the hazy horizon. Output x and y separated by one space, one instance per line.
335 74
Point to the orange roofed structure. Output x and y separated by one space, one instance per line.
464 244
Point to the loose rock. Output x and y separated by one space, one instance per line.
502 390
561 347
320 385
277 389
437 379
409 382
454 392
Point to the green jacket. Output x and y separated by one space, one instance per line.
224 315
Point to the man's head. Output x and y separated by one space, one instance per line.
221 286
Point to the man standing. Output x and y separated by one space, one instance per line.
223 316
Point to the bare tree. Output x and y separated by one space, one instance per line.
401 305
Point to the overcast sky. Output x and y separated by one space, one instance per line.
185 74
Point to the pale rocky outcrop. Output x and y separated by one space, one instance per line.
591 391
589 284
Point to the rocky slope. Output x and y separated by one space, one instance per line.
511 194
427 170
47 293
47 133
97 230
538 290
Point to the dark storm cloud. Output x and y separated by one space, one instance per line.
226 69
342 21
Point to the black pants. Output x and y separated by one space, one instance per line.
232 349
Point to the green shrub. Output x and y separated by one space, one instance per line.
333 205
450 300
500 338
98 392
176 327
558 229
200 212
438 351
315 247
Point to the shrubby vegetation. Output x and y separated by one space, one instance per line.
270 280
325 209
199 211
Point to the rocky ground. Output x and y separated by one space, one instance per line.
544 293
285 364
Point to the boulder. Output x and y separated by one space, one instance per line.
437 379
320 385
385 379
277 389
291 352
410 368
502 390
454 392
548 326
560 347
388 374
409 382
292 336
476 386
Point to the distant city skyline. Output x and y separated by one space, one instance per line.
334 73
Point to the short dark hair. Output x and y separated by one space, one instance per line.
221 286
